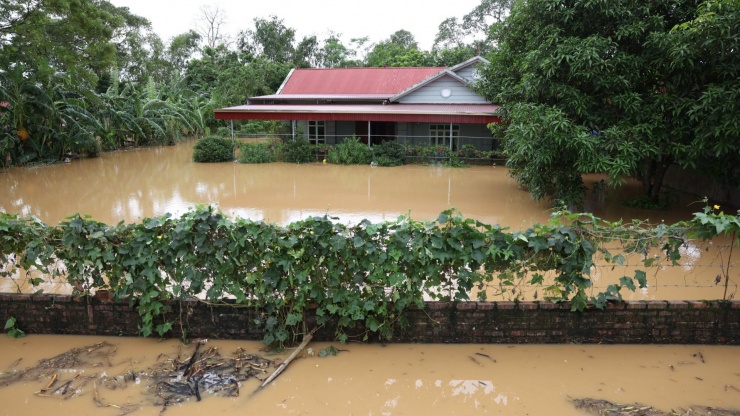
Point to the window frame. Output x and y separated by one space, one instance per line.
439 135
316 133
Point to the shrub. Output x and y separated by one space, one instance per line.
212 149
350 152
259 152
261 127
389 153
298 151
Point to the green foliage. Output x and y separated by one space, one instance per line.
260 152
261 127
353 275
389 153
587 87
350 152
329 351
14 332
298 151
213 149
400 50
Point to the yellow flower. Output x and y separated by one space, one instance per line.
716 207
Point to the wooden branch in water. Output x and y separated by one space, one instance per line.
287 361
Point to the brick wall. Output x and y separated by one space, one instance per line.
641 322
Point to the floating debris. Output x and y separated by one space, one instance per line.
486 355
204 373
169 381
606 408
96 355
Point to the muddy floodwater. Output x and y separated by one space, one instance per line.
131 185
399 379
361 379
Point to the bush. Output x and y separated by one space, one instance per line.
261 127
298 151
259 152
212 149
389 153
350 152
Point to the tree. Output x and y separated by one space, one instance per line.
182 48
307 53
270 39
700 68
73 36
463 40
208 26
335 55
400 49
450 34
610 86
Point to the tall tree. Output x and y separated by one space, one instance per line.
307 53
335 54
210 25
610 86
182 48
73 36
269 39
400 49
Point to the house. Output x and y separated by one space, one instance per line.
418 106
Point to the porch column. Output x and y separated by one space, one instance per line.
368 133
292 129
450 136
233 150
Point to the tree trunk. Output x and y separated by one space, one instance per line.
653 176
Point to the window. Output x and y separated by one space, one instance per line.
440 135
316 131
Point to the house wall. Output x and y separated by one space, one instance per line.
477 135
416 134
344 129
467 72
430 93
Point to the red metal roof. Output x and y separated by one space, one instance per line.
427 113
334 97
355 80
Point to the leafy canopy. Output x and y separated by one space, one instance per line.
623 87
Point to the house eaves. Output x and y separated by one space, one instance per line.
472 61
429 113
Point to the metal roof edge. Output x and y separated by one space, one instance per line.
285 81
471 61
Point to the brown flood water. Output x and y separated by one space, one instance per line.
401 379
131 185
366 379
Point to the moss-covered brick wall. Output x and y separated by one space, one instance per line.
638 322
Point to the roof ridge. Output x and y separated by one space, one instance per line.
377 67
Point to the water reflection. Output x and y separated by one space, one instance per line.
127 186
149 182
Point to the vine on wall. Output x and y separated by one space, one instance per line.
363 274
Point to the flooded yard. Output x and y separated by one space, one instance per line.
131 185
400 379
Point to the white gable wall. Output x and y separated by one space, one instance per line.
431 93
467 72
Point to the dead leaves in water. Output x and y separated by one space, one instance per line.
170 380
606 408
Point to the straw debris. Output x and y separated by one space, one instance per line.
606 408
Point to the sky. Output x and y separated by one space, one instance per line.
377 19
